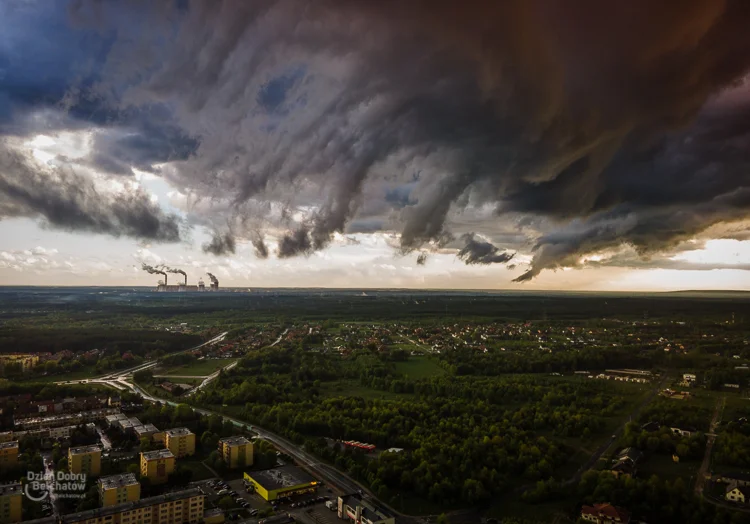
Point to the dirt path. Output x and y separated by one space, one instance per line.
700 479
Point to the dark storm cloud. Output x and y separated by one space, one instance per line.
68 201
261 250
220 244
591 114
480 252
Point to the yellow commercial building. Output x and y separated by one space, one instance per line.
278 483
86 459
11 496
180 507
157 465
8 454
180 441
117 489
237 452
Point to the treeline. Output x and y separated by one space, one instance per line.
135 341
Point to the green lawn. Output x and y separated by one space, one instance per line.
666 469
417 368
74 375
200 472
199 368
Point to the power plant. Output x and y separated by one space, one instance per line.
163 285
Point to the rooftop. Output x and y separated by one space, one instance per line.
157 454
85 449
370 510
282 477
83 516
117 481
10 489
8 445
178 432
234 441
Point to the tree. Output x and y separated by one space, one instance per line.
143 376
226 503
134 469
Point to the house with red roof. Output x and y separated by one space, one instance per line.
605 513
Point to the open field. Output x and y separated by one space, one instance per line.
417 368
201 368
666 468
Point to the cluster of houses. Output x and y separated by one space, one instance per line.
737 487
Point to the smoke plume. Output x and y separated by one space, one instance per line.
295 243
214 280
479 252
421 259
175 271
154 271
220 244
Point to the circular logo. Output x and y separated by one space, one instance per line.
36 498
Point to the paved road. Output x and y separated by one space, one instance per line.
700 479
594 458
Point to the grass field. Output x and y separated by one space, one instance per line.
74 375
666 469
417 368
200 471
352 388
200 368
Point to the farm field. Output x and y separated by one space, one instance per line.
200 368
417 368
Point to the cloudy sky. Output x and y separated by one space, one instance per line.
528 144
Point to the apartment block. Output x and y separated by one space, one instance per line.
11 497
8 454
117 489
180 441
237 452
86 459
157 465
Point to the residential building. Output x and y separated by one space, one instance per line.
116 489
213 516
157 465
632 454
237 452
179 507
359 510
69 419
149 431
8 454
605 514
11 501
735 493
624 468
180 441
86 459
683 432
739 479
282 482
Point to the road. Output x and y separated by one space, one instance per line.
594 458
113 379
700 480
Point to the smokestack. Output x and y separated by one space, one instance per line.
214 280
176 271
154 271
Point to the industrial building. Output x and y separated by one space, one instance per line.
117 489
8 454
237 452
179 507
157 465
359 510
11 501
180 441
282 482
86 459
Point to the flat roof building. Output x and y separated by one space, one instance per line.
180 441
237 452
157 465
282 482
117 489
11 502
86 459
363 511
8 454
179 507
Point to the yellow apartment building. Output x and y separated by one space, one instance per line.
117 489
157 465
11 496
86 459
8 454
237 452
180 441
